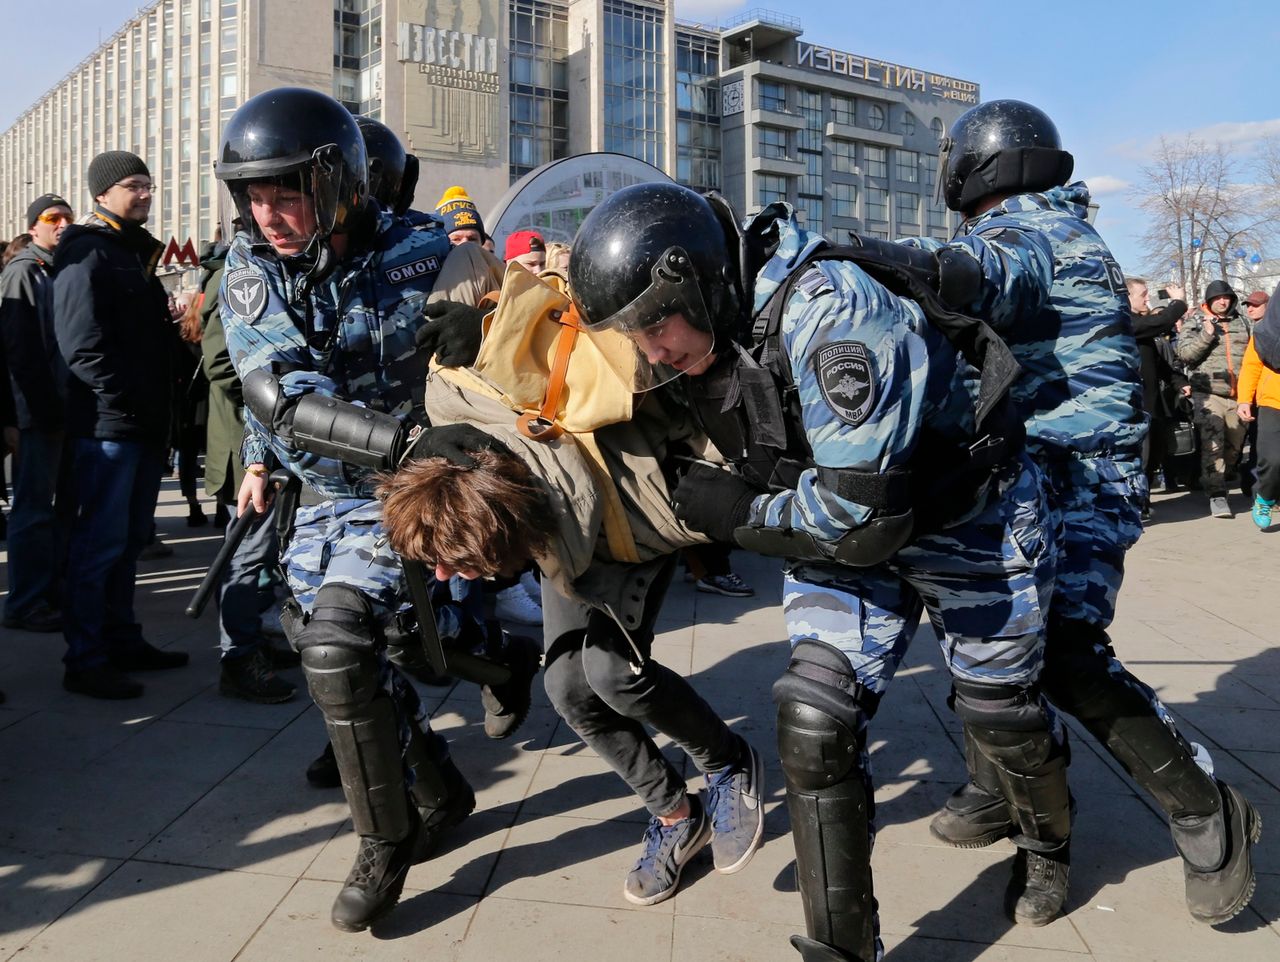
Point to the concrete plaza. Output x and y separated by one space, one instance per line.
179 827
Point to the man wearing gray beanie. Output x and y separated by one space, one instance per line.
112 321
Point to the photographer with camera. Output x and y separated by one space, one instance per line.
1152 330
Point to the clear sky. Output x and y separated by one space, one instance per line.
1114 75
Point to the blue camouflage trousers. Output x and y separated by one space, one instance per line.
985 583
1097 506
342 542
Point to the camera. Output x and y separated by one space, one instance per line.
1163 293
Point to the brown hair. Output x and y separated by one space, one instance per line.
189 327
14 248
485 517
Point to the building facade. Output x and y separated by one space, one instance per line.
485 91
850 141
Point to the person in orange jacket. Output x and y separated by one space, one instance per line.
1258 390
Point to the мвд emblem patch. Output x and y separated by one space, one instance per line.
847 378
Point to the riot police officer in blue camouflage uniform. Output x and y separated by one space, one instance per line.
1047 283
393 171
867 447
322 297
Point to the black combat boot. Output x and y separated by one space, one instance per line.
507 705
976 814
1038 889
811 951
373 888
1216 857
323 772
972 818
438 818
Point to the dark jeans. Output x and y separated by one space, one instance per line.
707 560
243 597
187 450
33 535
590 680
1155 446
1249 464
115 485
1268 485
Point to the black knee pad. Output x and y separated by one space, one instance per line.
342 682
822 715
1008 723
341 617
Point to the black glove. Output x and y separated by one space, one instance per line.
452 334
455 443
713 501
959 279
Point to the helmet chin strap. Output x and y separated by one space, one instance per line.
320 260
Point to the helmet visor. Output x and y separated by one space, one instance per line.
283 202
668 322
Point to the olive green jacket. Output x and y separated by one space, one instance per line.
222 469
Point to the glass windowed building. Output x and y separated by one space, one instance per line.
850 141
485 91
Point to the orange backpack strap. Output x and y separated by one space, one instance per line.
542 425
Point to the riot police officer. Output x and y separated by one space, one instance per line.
393 171
322 297
1046 281
839 403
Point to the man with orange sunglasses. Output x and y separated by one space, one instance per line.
36 374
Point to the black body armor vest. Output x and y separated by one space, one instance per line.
749 406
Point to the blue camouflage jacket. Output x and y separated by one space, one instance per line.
352 339
1056 295
871 373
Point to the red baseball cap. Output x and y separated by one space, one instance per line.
522 242
1257 299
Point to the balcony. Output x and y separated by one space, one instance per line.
778 165
865 134
777 118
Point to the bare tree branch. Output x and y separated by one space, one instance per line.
1201 210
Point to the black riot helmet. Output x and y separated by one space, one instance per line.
393 173
652 250
1001 147
304 140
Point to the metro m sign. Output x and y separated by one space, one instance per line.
186 254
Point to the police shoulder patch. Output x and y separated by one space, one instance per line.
246 293
847 378
403 273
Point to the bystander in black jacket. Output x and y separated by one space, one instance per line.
37 373
1149 330
112 320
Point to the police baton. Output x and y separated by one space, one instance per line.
213 577
460 664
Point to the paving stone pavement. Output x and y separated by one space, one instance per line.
180 827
